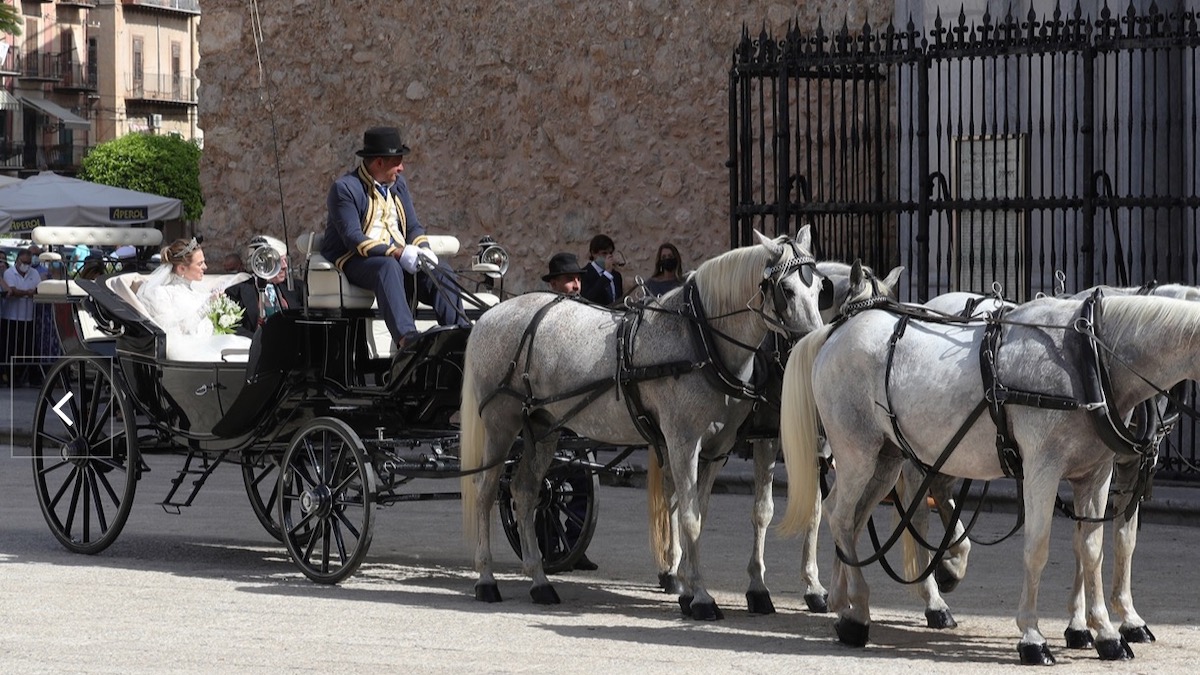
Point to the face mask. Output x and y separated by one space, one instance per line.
669 264
601 260
22 267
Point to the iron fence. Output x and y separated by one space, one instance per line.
978 152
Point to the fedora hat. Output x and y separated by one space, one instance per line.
382 142
562 263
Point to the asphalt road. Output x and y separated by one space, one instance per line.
209 591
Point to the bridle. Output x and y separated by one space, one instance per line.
772 281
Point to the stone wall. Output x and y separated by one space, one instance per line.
540 122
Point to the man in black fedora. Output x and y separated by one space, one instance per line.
374 237
564 274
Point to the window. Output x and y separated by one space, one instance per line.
176 75
139 73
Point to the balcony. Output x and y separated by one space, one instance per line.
152 88
83 4
31 157
179 6
39 66
75 77
11 63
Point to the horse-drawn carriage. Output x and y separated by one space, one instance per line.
324 423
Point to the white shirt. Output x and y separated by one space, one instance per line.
20 309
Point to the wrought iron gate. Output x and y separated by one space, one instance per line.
980 151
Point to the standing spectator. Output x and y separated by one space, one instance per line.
17 322
36 262
3 337
668 270
601 282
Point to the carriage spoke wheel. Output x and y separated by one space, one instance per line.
85 456
327 500
261 476
566 510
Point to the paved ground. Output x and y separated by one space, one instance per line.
208 591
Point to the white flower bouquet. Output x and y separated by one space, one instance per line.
225 314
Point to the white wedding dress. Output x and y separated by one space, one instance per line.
180 308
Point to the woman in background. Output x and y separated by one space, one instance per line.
668 270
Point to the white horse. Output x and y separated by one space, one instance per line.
871 410
676 369
1124 529
847 285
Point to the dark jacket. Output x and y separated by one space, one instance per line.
246 295
348 203
593 286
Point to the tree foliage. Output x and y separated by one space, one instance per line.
10 23
163 165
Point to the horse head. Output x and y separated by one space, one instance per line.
790 286
866 290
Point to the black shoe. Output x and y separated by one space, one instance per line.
586 565
408 341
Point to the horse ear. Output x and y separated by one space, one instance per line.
890 282
772 245
804 238
856 273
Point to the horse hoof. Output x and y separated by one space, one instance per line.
1139 634
759 602
1035 654
940 618
487 593
670 583
685 606
1114 650
946 581
706 611
544 595
852 633
1079 638
818 603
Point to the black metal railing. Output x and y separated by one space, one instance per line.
161 88
185 6
37 65
76 76
1005 149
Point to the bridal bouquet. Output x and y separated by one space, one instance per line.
225 314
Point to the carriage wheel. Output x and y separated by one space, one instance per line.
566 510
85 456
327 500
261 476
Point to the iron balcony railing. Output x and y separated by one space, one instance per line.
164 88
187 6
76 76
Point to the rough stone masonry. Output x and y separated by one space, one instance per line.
539 122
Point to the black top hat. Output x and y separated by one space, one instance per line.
382 142
562 263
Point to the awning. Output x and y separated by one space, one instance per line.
8 101
55 110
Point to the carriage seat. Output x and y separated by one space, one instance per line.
328 288
189 348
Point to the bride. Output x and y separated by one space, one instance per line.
173 294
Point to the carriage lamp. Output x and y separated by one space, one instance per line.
491 258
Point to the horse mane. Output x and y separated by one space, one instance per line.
1130 317
722 281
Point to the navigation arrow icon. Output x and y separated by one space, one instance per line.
58 408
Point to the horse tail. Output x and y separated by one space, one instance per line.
798 435
912 567
472 438
659 513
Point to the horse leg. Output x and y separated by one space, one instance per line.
815 595
526 489
695 601
872 478
954 562
758 596
664 524
916 557
1133 627
1090 499
487 487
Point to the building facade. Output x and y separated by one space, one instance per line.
87 71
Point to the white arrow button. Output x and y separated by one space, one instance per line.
58 408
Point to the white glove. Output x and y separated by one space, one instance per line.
428 255
408 259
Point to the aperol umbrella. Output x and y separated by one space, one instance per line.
51 199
